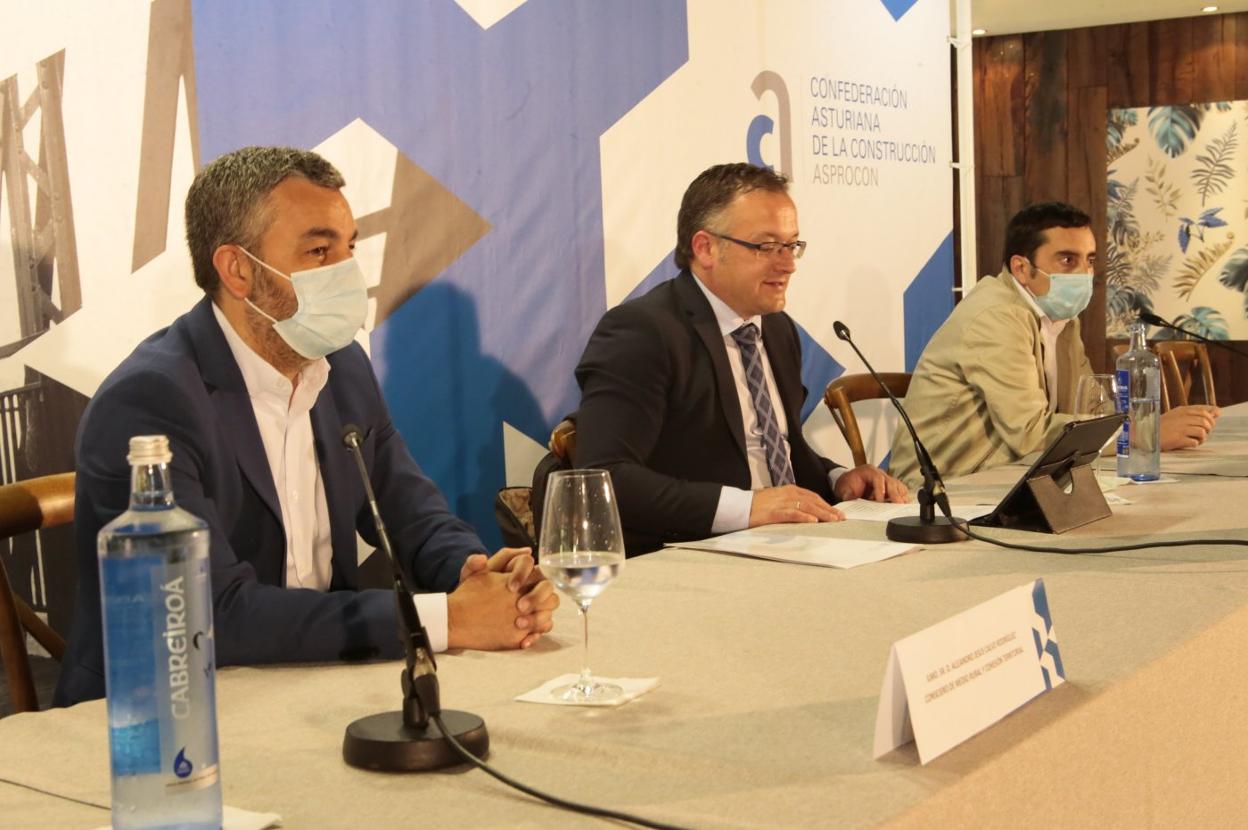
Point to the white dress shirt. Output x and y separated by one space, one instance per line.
283 414
1049 330
733 511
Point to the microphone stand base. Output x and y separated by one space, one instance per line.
382 742
915 531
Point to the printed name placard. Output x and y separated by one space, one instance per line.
958 677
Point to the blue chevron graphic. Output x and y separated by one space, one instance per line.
509 120
898 8
818 370
928 300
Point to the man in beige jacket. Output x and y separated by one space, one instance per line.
997 381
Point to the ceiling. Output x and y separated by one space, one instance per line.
1000 17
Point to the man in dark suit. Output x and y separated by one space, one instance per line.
253 387
691 395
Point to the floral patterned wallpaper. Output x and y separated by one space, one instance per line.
1178 218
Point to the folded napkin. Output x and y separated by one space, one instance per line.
634 687
235 819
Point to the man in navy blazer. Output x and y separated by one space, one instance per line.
205 382
691 395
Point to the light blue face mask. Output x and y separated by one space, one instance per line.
1068 295
333 303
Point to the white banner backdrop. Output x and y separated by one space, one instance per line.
515 167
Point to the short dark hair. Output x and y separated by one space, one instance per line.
227 202
711 192
1025 232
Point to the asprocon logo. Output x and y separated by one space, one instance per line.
762 125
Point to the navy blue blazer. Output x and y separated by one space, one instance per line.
659 409
183 382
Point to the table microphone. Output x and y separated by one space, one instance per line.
1154 320
927 528
407 741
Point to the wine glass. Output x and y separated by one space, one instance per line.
1096 396
580 552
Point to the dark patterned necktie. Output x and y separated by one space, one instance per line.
778 464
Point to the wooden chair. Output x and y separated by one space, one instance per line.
26 506
518 509
563 440
1181 362
845 390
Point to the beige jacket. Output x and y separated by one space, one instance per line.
978 397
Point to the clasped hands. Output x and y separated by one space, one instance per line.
502 602
791 503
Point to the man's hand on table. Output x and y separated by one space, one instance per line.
1185 427
790 503
502 602
868 482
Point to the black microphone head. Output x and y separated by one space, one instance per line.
842 331
1152 319
350 435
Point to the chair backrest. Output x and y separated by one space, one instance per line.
1182 361
845 390
563 440
513 511
25 506
518 510
562 451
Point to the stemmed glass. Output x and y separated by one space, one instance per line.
1095 396
580 552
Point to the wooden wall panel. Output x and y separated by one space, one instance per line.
1086 57
1044 116
1171 67
998 142
1086 187
1235 39
1128 71
1214 64
999 105
1041 102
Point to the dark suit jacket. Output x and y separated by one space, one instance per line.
183 382
659 409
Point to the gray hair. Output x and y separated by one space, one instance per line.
228 201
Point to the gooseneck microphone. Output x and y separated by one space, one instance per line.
407 741
1154 320
424 736
927 528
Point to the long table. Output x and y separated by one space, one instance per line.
770 675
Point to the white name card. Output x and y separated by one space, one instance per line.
958 677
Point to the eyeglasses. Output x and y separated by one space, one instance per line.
769 249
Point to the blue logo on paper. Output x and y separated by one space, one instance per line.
181 766
1045 637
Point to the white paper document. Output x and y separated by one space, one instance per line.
883 511
958 677
780 544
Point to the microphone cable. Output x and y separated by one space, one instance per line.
575 806
965 526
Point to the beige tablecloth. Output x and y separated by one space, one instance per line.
765 714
